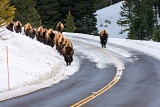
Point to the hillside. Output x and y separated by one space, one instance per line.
111 14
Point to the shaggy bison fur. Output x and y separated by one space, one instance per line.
68 52
56 38
60 41
9 26
103 38
43 33
38 33
60 27
49 37
18 27
29 31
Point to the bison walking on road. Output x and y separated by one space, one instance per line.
68 52
103 38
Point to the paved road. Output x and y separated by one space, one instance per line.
138 87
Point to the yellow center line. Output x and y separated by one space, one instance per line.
108 86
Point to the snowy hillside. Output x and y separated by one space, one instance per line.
112 15
32 65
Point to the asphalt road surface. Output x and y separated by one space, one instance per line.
138 87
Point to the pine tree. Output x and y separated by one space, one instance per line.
156 33
139 16
101 4
144 17
7 12
84 17
126 16
69 25
26 12
157 6
49 12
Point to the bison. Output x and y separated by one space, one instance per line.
29 31
18 27
68 52
65 41
103 38
38 33
49 37
60 41
32 33
60 27
56 38
9 26
42 35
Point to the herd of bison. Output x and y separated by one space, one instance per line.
53 38
47 36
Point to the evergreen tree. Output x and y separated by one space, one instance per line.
126 16
139 16
65 6
156 33
48 10
7 12
157 6
101 4
84 17
144 16
26 12
69 25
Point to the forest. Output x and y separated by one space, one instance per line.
139 17
77 15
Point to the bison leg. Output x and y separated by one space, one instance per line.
102 45
52 44
67 63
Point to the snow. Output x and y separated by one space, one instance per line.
111 14
33 65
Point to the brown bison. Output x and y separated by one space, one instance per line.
32 33
29 31
68 52
18 27
60 41
42 35
65 41
38 33
56 38
9 26
103 38
60 27
49 37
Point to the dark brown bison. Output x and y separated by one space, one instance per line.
18 27
9 26
60 27
68 52
32 33
49 37
103 38
42 35
29 31
38 33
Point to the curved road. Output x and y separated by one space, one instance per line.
138 87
